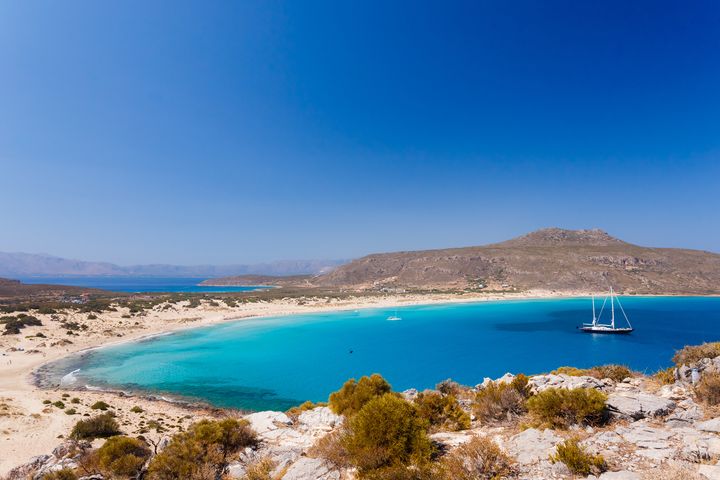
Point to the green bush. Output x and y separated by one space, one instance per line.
708 388
478 459
13 325
101 426
100 405
294 412
694 353
442 412
449 387
577 459
260 470
59 404
70 411
386 432
203 451
501 401
122 457
136 409
560 407
355 394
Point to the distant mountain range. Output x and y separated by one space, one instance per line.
29 265
549 259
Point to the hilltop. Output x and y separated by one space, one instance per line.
547 259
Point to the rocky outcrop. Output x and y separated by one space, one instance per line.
538 383
638 405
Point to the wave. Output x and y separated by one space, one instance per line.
69 379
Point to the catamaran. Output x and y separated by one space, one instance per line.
597 327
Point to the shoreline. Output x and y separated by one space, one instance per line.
43 424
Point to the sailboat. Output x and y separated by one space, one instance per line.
597 327
394 318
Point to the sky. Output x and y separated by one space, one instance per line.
247 131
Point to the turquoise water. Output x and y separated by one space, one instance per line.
275 363
138 284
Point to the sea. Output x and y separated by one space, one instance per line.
139 284
275 363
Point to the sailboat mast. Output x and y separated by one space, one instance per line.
612 306
594 318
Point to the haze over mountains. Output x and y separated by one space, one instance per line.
28 265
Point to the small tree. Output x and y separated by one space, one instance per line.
443 412
386 432
202 452
355 394
122 457
560 407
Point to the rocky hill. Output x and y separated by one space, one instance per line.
550 259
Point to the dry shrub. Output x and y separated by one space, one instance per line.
666 376
578 460
260 470
479 459
122 457
502 401
331 449
708 388
387 432
402 472
101 426
64 474
694 353
295 412
355 394
561 408
617 373
443 412
449 387
203 452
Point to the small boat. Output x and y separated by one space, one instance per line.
394 318
597 327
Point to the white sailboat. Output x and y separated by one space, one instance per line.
597 327
394 318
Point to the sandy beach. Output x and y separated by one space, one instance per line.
31 425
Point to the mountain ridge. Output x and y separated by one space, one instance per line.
21 264
548 259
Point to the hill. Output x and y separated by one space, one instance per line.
551 259
28 264
16 289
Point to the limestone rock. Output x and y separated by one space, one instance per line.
639 405
709 426
310 469
712 472
533 445
538 383
621 475
263 422
320 419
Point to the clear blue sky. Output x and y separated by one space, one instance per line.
242 131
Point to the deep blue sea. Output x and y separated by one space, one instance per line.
274 363
138 284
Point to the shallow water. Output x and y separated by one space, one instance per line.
274 363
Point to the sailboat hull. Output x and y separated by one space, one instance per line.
608 330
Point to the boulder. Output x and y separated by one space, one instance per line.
310 469
709 425
637 405
320 419
538 383
621 475
533 445
711 472
263 422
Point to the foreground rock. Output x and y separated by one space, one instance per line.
639 405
